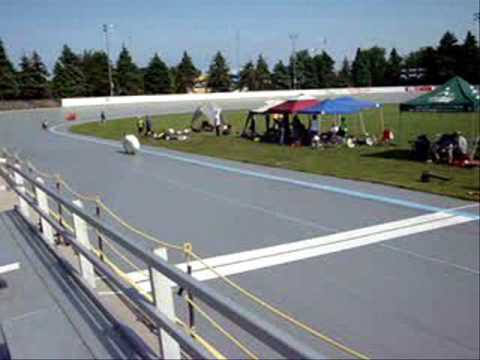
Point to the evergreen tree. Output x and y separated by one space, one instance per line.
446 57
157 78
247 77
40 75
8 82
68 77
129 79
305 70
393 69
324 70
24 78
360 70
280 76
262 75
95 68
33 78
377 64
186 74
470 59
344 78
429 61
219 74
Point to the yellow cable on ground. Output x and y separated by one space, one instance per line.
92 198
122 256
282 314
124 276
224 332
211 349
99 202
184 354
136 230
188 251
64 222
39 172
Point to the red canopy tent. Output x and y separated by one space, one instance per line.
293 106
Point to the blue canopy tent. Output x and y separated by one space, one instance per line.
344 106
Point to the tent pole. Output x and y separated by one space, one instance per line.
399 117
357 127
382 121
362 123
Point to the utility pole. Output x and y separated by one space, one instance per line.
107 45
237 50
293 39
476 17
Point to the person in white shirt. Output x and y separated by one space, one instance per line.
218 122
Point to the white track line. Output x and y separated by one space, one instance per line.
286 253
465 207
432 259
10 267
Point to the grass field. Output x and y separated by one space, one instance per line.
390 165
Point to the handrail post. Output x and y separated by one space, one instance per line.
43 205
81 234
20 184
163 298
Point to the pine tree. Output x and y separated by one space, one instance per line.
40 76
157 78
8 82
344 77
248 77
377 64
305 70
394 68
262 75
95 68
219 74
186 74
470 59
446 57
25 78
280 76
68 77
360 70
128 77
324 70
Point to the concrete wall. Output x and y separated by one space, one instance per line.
239 95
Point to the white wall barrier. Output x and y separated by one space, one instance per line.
117 100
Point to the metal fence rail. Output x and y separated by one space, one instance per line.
276 339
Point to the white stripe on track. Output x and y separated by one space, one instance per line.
250 260
10 267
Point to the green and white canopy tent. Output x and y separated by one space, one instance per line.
456 95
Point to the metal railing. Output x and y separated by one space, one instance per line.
278 340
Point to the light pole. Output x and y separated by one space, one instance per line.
293 39
107 45
476 17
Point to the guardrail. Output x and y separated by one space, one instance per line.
173 339
256 95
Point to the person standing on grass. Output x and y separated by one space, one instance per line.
314 126
148 130
218 122
140 125
103 118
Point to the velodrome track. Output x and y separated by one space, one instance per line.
386 271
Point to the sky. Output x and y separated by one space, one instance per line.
241 29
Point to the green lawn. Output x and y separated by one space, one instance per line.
381 164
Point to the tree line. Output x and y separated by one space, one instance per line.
86 74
